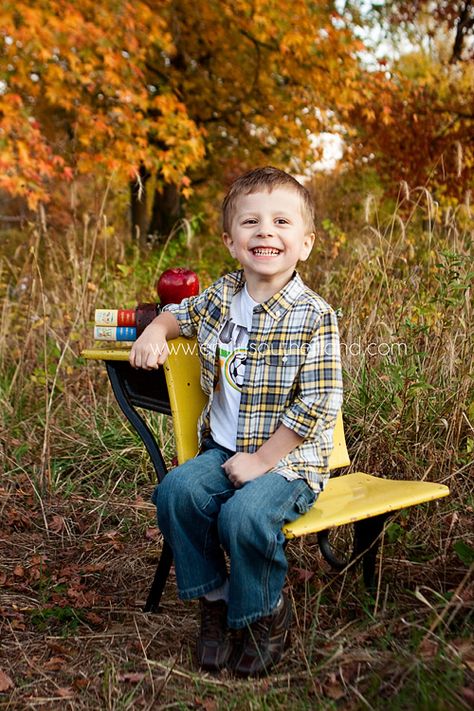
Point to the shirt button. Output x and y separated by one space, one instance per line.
278 314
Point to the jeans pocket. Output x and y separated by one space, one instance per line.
305 500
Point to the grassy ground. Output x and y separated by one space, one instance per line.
77 536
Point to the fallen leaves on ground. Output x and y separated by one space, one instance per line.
5 681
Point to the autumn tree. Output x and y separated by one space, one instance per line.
178 90
260 79
419 127
75 97
455 18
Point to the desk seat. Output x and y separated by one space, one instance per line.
354 497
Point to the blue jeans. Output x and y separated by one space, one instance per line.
202 517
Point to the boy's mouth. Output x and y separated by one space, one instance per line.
265 251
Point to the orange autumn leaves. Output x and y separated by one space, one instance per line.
75 95
195 92
101 88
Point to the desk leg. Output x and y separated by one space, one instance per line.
161 576
328 553
166 558
366 543
136 421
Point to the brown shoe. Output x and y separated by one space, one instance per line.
263 642
213 644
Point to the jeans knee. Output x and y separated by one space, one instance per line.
241 523
170 494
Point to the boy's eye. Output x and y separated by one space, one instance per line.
250 221
282 221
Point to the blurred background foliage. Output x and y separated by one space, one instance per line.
166 101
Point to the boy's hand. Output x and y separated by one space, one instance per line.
150 350
243 467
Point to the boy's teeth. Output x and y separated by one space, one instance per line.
266 252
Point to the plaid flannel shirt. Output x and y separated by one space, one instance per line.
292 374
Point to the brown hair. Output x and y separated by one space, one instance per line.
266 178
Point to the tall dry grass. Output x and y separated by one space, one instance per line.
78 535
49 397
405 291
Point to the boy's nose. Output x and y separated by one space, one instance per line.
266 229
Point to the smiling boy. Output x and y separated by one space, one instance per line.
270 365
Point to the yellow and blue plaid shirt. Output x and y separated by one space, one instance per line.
292 375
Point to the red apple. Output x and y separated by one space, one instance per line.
174 285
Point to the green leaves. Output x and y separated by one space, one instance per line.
464 552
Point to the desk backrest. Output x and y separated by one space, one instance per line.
187 400
182 372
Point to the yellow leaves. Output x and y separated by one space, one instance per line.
167 103
368 113
12 101
386 115
168 173
22 151
292 42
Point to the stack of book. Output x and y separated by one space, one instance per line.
115 325
123 324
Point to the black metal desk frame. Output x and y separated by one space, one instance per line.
145 389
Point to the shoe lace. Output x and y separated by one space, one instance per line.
260 630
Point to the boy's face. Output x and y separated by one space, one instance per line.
268 235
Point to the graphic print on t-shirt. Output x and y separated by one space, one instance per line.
233 365
233 342
232 358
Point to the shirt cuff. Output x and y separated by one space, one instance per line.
305 419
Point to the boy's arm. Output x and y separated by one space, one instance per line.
244 467
320 383
150 350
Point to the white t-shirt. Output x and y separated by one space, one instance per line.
232 345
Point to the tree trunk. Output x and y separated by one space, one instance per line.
138 206
464 24
165 211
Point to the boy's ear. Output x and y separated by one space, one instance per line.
229 242
307 246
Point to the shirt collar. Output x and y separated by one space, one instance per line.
280 302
